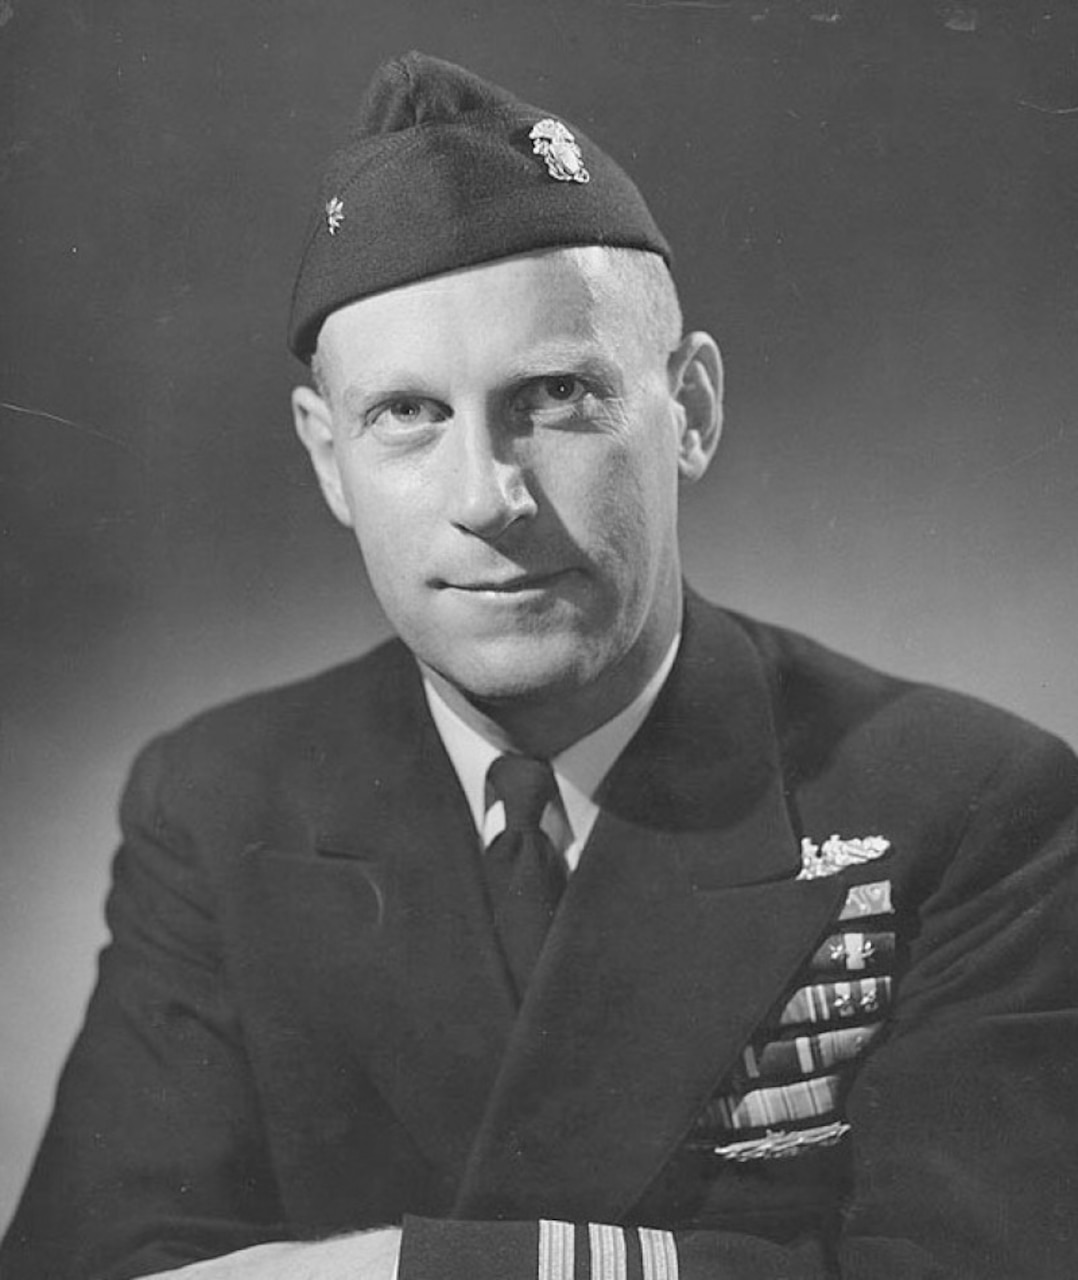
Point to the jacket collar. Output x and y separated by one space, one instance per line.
579 769
706 759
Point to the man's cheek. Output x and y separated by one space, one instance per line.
617 512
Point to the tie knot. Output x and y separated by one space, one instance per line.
525 786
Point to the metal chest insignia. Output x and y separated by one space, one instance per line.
838 854
334 214
777 1146
553 141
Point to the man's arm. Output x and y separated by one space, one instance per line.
155 1155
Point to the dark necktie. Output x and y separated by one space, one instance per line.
525 872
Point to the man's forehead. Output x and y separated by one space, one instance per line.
546 297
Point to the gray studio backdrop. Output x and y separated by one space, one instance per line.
874 207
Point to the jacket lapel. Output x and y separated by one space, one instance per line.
422 986
680 928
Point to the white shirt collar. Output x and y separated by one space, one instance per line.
578 770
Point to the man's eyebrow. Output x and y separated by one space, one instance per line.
564 357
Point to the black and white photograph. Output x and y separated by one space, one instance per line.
538 664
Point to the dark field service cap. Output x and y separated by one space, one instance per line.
445 171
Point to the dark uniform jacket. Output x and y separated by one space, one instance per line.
806 1010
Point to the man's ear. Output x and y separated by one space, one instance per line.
696 379
314 426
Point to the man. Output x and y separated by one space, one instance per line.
586 930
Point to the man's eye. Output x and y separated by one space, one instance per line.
408 411
554 392
562 388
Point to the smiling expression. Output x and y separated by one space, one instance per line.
506 444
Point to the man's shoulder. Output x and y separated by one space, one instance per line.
370 698
825 706
833 709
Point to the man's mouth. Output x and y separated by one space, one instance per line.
514 585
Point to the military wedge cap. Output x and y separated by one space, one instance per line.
443 171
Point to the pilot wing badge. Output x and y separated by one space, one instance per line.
838 855
553 141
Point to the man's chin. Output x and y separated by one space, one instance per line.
520 671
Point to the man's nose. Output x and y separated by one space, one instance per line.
489 485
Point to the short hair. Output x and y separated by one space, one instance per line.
656 307
318 372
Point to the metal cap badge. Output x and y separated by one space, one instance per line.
553 141
444 170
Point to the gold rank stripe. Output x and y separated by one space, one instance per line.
807 1054
557 1244
778 1104
607 1252
837 1001
658 1254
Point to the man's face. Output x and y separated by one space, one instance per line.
507 449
